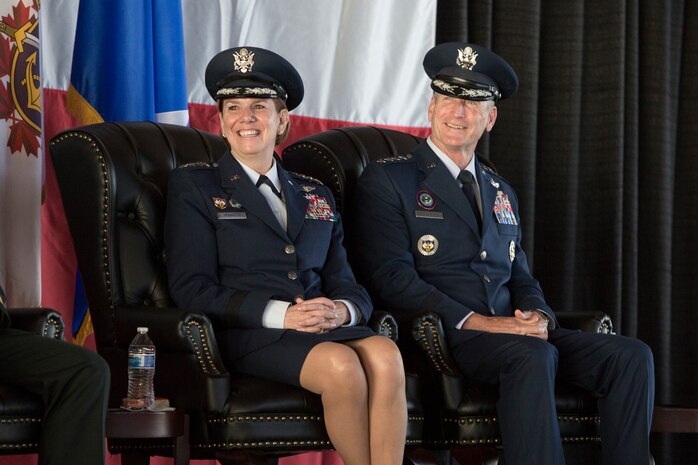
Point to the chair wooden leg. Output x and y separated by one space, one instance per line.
418 456
134 458
475 455
245 458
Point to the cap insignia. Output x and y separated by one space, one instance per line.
467 58
244 60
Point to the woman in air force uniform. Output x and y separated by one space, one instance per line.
259 249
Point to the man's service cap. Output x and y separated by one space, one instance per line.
470 72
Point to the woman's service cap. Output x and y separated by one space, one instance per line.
246 72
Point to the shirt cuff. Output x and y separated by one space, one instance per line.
462 322
275 314
544 314
353 312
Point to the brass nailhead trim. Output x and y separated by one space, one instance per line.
276 418
15 420
21 445
438 359
206 359
105 232
335 176
259 444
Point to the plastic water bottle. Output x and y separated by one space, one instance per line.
141 371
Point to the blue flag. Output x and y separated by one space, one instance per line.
128 62
128 65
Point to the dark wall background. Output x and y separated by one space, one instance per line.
601 142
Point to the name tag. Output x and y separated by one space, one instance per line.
428 214
232 216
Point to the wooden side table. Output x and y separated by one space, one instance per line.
123 424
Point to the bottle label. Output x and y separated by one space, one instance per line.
141 361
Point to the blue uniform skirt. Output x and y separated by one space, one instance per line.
283 359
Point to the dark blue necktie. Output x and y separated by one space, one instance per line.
469 187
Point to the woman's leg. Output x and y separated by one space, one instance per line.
387 407
335 372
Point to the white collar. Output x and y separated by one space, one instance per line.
450 164
272 174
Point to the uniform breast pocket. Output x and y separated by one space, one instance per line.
508 229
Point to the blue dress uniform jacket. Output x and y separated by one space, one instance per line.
421 248
403 199
228 255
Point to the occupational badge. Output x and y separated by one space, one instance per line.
318 208
306 188
512 251
427 245
426 200
234 203
494 183
219 203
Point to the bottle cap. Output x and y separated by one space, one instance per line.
142 329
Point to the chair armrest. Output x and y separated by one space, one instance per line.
428 333
173 330
384 324
43 321
595 322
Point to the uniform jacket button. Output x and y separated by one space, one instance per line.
486 278
292 275
483 255
289 249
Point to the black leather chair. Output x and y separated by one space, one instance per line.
113 182
457 413
21 412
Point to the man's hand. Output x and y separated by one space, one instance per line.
316 315
528 323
